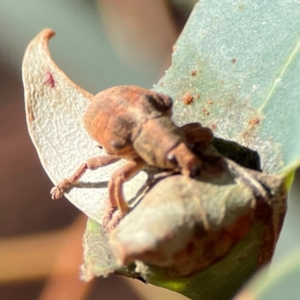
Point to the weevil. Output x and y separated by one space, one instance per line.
135 124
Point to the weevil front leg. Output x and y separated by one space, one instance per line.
115 190
195 133
91 164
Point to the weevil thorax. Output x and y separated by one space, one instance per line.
116 116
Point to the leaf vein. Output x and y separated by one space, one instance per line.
279 78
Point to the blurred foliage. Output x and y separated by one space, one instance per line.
276 283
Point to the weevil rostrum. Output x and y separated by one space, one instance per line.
135 124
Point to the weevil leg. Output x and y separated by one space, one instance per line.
115 190
195 133
91 164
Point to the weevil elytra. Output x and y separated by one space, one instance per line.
135 123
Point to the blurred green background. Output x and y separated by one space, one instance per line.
98 44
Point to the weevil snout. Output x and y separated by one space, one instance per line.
182 157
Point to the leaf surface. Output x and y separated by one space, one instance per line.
54 110
279 281
240 61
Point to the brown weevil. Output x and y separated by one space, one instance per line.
135 124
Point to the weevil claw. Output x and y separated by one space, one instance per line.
56 192
112 218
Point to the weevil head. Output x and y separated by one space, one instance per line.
155 104
181 157
162 144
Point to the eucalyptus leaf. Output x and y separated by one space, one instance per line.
202 238
54 110
240 61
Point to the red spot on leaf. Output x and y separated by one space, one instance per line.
205 111
213 127
49 80
188 99
254 121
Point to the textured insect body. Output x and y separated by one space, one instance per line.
133 122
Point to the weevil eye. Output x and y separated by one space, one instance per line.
168 102
161 102
195 171
172 159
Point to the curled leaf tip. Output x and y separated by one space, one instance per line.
46 34
54 109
